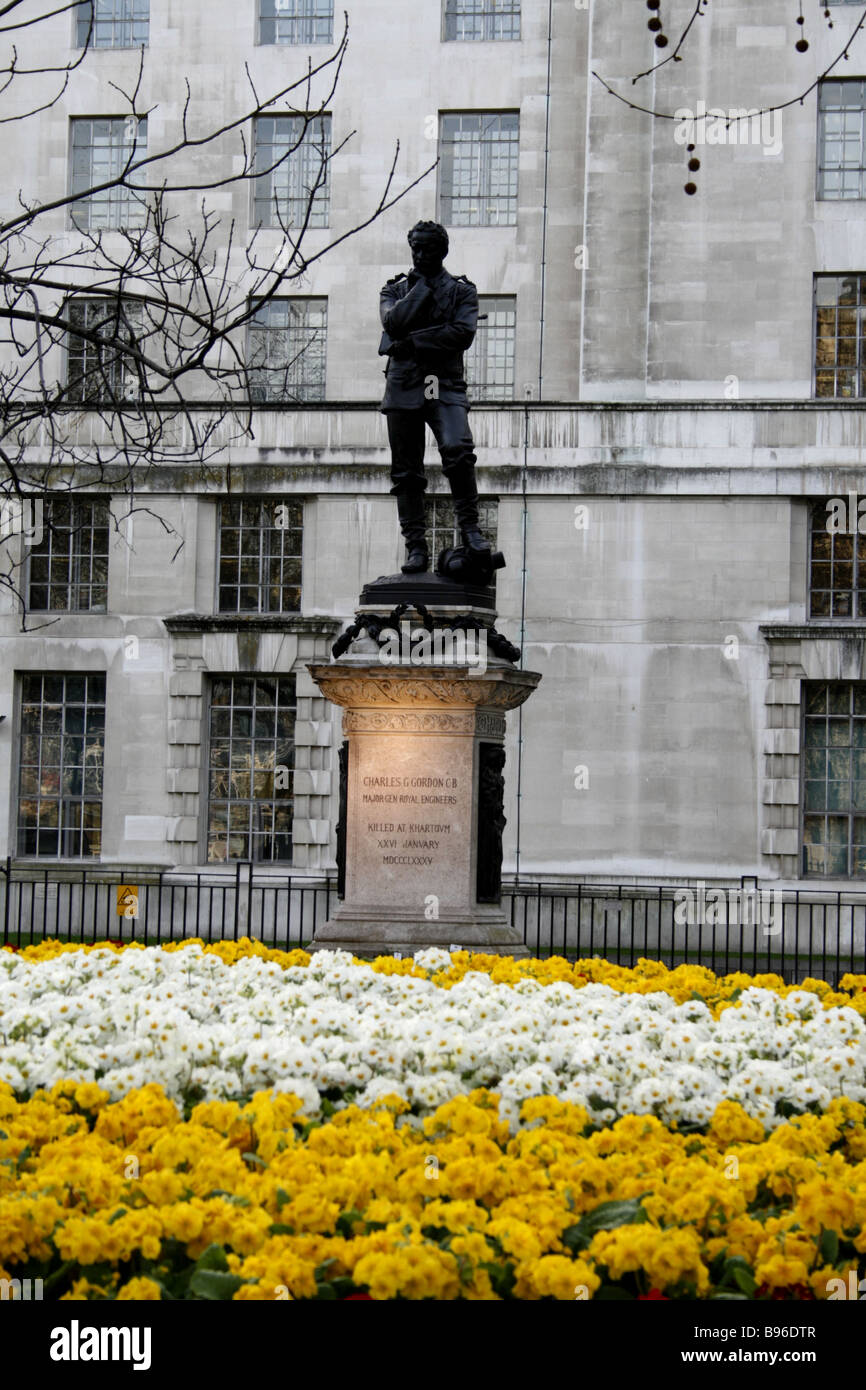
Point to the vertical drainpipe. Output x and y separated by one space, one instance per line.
523 479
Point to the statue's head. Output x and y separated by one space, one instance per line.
429 243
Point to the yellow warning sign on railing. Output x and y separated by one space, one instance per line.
127 900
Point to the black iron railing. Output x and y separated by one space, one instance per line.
797 934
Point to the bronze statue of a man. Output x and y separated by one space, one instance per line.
429 319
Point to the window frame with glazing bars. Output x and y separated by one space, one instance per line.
265 554
836 540
489 304
131 309
81 209
317 336
826 137
133 13
487 11
446 170
852 812
210 770
311 16
63 767
309 146
75 557
858 368
442 534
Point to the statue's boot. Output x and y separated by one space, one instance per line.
410 509
465 494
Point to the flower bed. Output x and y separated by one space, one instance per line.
233 1122
128 1200
331 1027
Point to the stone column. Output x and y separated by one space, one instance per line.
423 805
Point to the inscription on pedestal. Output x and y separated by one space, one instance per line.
422 859
413 816
413 840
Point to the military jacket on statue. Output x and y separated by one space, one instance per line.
427 329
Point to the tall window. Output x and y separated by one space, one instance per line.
292 157
478 186
101 150
482 19
490 360
68 570
837 570
113 23
60 767
441 523
840 327
98 371
251 758
287 347
296 21
834 801
260 556
841 139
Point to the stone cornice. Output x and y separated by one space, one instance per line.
258 622
800 632
377 686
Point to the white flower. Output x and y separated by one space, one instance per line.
200 1027
433 958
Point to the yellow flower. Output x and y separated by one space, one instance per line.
140 1290
556 1276
183 1222
83 1291
162 1187
263 1292
779 1271
89 1096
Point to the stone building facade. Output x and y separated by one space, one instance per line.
666 392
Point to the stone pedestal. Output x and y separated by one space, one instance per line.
423 791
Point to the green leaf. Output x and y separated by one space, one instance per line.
828 1248
282 1198
745 1281
212 1258
726 1296
502 1278
603 1218
612 1293
346 1220
254 1158
214 1284
116 1215
280 1228
325 1293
